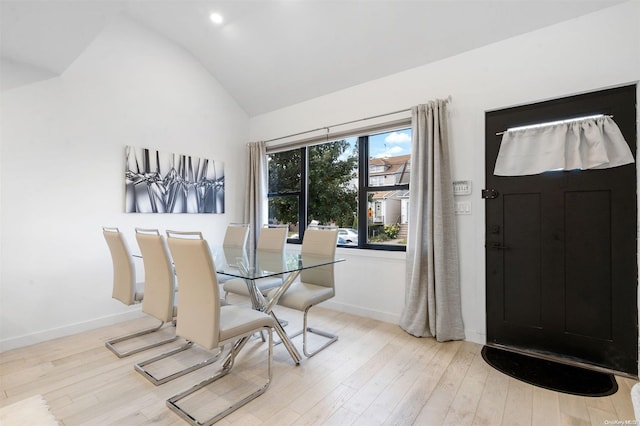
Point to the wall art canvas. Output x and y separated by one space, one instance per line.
161 182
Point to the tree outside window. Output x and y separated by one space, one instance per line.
326 185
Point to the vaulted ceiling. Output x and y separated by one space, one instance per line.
269 54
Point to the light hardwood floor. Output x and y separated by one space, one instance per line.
375 374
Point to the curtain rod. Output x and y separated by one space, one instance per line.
337 125
551 123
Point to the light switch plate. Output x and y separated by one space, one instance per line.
463 207
461 187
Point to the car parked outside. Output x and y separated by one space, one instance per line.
349 235
346 236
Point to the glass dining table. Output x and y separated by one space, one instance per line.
251 266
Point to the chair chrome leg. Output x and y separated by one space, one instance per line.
172 402
120 354
305 330
332 337
158 381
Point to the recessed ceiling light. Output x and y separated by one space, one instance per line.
216 18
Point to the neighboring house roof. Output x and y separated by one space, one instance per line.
396 167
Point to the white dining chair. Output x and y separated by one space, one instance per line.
235 240
158 300
315 285
270 250
204 322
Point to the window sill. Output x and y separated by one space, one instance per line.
376 254
355 252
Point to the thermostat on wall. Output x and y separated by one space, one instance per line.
461 187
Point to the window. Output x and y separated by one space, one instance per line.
359 184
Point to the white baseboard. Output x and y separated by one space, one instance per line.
42 336
393 318
67 330
363 312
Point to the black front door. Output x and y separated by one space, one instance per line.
561 246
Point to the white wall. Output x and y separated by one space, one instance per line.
592 52
62 167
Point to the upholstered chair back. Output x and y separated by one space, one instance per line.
159 277
321 243
199 299
123 269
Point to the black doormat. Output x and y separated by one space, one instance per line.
551 375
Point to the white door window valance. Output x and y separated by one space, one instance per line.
589 143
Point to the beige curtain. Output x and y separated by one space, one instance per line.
432 297
256 194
